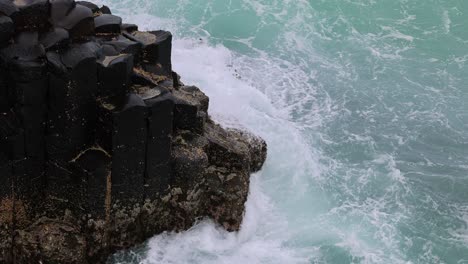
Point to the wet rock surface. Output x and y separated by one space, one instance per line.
101 145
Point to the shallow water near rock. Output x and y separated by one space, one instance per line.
364 105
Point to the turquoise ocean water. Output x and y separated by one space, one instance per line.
364 104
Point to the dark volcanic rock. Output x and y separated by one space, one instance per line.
72 107
32 14
158 156
6 29
107 24
59 9
124 45
46 240
58 38
93 7
114 75
105 10
191 109
129 27
157 48
128 140
77 19
101 145
7 7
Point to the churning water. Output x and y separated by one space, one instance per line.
364 105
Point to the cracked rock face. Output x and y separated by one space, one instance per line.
101 145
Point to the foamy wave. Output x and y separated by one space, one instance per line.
357 126
234 101
259 241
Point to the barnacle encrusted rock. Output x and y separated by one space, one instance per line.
101 145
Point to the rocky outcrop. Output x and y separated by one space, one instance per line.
101 145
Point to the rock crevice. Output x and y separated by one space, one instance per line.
101 145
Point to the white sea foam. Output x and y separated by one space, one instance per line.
349 193
235 102
241 90
461 234
259 241
464 231
446 21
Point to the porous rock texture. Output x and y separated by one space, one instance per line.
101 145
